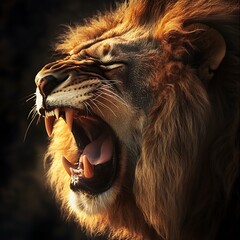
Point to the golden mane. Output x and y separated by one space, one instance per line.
184 180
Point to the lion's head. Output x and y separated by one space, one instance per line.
142 112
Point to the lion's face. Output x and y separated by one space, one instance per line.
132 114
100 94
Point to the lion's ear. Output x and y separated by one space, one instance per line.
209 48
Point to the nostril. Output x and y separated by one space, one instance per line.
48 84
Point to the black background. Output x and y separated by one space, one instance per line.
28 29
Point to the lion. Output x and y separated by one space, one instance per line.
142 112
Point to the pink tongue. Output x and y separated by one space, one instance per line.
100 150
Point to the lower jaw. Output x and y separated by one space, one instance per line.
103 180
78 200
83 203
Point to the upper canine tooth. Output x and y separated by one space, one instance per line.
67 165
69 113
57 112
49 122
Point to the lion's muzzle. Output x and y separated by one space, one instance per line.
65 89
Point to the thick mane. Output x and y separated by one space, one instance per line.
190 148
158 17
186 176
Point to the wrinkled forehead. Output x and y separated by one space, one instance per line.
114 49
99 48
115 38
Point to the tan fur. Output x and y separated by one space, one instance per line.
189 154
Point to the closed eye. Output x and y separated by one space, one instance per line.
111 66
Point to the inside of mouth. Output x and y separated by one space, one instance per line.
95 170
94 139
96 165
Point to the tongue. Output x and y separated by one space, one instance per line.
100 150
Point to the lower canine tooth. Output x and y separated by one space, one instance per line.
88 168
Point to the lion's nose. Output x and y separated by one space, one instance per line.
48 83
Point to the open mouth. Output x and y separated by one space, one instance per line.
95 170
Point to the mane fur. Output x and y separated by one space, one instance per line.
185 177
190 154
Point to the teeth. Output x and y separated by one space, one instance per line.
69 113
57 112
50 117
84 169
88 167
49 122
49 113
76 171
67 165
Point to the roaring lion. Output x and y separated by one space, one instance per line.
142 112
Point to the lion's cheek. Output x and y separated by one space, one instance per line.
125 127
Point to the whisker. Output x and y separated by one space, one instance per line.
91 100
99 93
33 117
33 110
31 97
88 107
38 120
109 87
111 82
112 85
106 106
107 99
111 96
115 96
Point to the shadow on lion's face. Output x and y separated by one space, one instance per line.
131 111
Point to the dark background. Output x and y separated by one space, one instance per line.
28 29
